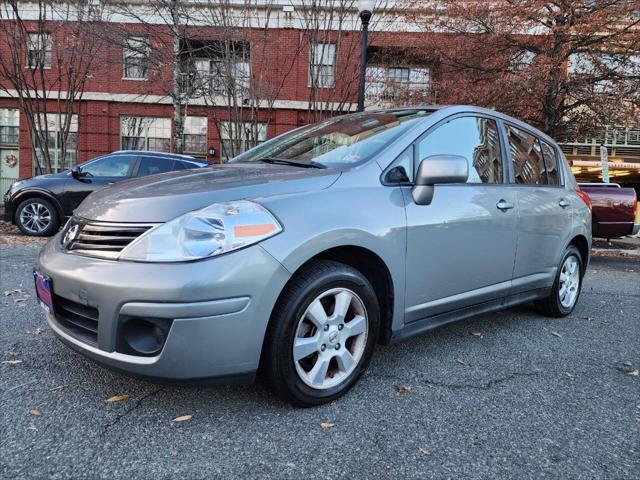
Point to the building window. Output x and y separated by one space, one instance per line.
145 133
54 124
226 70
388 85
238 137
526 156
322 63
9 126
39 50
195 135
135 52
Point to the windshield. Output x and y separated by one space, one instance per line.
337 142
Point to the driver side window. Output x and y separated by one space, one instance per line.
474 138
111 166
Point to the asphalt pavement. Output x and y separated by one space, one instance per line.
505 395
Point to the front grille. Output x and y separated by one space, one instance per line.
103 239
80 321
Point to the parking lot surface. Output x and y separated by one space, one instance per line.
506 395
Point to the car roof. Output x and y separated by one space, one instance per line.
148 153
447 110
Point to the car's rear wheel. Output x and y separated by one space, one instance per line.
37 217
322 334
566 288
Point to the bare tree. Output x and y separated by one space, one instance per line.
565 66
45 62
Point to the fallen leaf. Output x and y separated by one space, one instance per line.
33 427
10 362
462 362
38 331
173 455
59 387
477 334
182 418
36 413
585 318
425 452
325 425
627 364
8 293
556 334
116 398
634 373
572 376
401 390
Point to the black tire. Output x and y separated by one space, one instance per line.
309 283
552 305
40 204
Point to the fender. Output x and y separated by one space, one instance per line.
36 192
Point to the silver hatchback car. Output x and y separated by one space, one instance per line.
297 257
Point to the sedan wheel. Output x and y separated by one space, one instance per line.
331 338
566 288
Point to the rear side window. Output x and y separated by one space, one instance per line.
551 164
153 165
474 138
526 155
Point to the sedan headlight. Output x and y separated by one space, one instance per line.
214 230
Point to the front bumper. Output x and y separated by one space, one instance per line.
7 216
219 309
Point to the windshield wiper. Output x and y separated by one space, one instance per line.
284 161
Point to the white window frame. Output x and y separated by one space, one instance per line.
141 58
9 120
38 42
146 125
190 128
53 121
384 86
317 77
239 132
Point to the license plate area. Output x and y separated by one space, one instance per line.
44 291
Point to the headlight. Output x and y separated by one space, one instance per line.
214 230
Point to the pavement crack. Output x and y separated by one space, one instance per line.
485 386
120 416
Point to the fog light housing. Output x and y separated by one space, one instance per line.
142 336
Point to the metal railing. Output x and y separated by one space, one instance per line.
621 142
5 183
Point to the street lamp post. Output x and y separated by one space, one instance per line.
365 8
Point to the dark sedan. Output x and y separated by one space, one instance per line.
38 205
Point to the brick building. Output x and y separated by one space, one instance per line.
285 72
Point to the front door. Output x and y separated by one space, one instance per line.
461 248
9 168
95 174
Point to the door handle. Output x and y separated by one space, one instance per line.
563 203
504 205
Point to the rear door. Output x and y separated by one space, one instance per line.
461 247
544 210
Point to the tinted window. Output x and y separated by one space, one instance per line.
474 138
526 155
153 165
401 170
111 166
551 163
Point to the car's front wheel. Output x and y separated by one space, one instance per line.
322 334
566 288
37 217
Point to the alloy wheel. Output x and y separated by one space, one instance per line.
569 282
35 217
331 338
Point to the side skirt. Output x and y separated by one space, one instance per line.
429 323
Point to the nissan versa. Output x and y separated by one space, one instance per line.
297 257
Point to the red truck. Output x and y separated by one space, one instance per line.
615 209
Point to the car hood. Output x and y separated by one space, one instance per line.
159 198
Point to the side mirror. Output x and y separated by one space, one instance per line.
438 169
76 172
